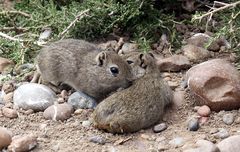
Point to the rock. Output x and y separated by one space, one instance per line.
228 119
203 120
172 84
195 53
203 146
64 94
237 121
8 87
10 113
98 140
8 97
86 123
174 63
204 111
193 124
4 63
159 128
60 100
58 112
230 144
24 68
178 98
128 47
222 133
108 45
177 142
34 96
28 112
5 138
215 83
79 100
24 143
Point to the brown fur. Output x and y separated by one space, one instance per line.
137 107
83 66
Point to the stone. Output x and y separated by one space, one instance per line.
34 96
23 143
172 84
128 47
203 146
222 133
193 124
24 68
10 113
237 121
79 100
5 138
177 142
159 128
108 45
98 139
204 111
195 53
203 120
178 98
228 119
8 87
8 97
58 112
215 83
64 94
174 63
4 63
86 123
230 144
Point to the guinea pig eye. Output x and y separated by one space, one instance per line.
129 62
114 70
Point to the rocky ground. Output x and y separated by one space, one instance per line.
185 126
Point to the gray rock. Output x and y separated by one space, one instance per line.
228 119
203 146
98 140
79 100
231 144
160 127
222 133
177 142
193 124
195 53
34 96
86 123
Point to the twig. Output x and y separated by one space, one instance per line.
16 12
11 38
218 9
78 17
22 29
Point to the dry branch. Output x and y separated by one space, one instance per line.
16 12
10 38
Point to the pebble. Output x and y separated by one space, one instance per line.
98 140
159 128
10 113
203 120
178 98
228 119
222 133
58 112
5 138
195 109
172 84
8 87
204 111
86 123
28 112
60 100
193 124
231 144
23 143
177 142
34 96
213 131
79 100
8 97
203 146
64 94
237 121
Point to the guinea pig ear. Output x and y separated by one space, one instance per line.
100 58
142 61
151 54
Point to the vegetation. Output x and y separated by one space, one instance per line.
142 20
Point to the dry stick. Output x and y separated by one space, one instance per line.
218 9
16 12
10 38
78 17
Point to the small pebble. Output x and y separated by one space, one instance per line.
5 138
98 140
78 111
8 87
28 112
213 131
23 143
60 100
160 127
193 124
228 119
172 84
195 109
203 120
237 121
222 133
8 97
10 113
86 123
177 142
204 111
64 94
79 100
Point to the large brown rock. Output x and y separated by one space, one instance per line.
5 138
230 144
173 63
215 83
195 53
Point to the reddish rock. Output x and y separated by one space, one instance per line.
25 143
174 63
230 144
8 98
215 83
204 111
4 63
5 138
10 113
195 53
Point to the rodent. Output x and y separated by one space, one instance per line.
137 107
84 67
